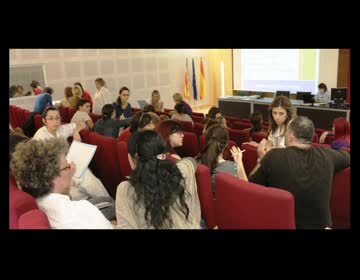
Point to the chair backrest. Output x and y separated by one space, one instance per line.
258 136
244 205
125 135
239 136
122 154
64 114
34 219
315 138
340 200
205 195
240 125
95 117
201 115
190 147
197 119
250 157
198 128
38 123
186 126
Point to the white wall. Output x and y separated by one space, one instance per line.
141 70
328 67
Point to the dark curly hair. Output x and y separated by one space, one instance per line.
158 184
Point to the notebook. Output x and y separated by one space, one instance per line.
142 104
81 154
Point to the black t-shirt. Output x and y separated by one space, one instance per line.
308 175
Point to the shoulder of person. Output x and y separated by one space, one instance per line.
122 190
187 161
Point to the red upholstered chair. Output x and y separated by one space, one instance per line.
168 110
244 205
95 117
198 114
21 203
105 164
186 126
12 183
85 135
239 136
240 125
245 120
328 138
258 136
134 110
64 114
125 135
190 147
315 138
71 113
250 157
205 195
122 154
198 128
340 200
197 119
38 121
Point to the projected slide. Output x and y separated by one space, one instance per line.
275 69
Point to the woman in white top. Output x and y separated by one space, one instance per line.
323 95
155 101
102 96
82 114
280 115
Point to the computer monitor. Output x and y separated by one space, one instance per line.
282 93
142 104
300 94
309 99
338 93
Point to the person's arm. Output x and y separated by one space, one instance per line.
340 158
237 155
90 124
76 134
262 149
323 137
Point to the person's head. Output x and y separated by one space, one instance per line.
80 85
20 90
157 182
214 112
14 139
99 83
322 88
68 92
256 120
28 93
221 120
280 113
83 105
216 139
77 91
141 121
12 90
341 128
34 84
48 90
124 94
208 124
108 112
300 130
179 108
155 97
51 118
40 167
177 98
149 108
155 119
171 132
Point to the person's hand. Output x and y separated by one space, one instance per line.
262 149
122 117
323 137
236 154
80 126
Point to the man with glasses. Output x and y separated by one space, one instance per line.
51 184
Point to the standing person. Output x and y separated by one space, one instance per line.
50 183
155 101
65 101
341 133
122 106
82 114
322 95
102 96
88 186
216 140
160 194
179 99
109 126
280 115
305 171
85 94
35 85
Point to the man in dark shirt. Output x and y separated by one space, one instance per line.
305 171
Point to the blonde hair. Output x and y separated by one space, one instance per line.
177 97
77 91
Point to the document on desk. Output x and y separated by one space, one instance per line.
81 154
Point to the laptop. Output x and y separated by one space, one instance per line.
142 104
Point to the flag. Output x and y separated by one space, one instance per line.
187 81
202 80
194 80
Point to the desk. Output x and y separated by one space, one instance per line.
322 116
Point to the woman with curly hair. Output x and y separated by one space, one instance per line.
160 194
41 170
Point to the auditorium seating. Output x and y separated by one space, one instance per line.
197 119
340 200
122 155
190 147
258 136
239 136
243 205
95 117
198 129
38 122
186 126
250 157
240 125
64 114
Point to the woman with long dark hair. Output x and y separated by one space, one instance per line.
160 194
122 106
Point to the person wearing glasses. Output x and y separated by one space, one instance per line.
88 186
122 106
51 184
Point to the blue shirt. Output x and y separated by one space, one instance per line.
41 101
119 111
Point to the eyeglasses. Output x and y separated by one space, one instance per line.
51 119
67 167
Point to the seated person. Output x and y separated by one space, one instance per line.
178 99
341 132
155 101
256 120
171 132
322 95
109 126
180 115
122 106
149 108
85 94
160 194
216 139
76 96
212 114
65 101
82 114
51 184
